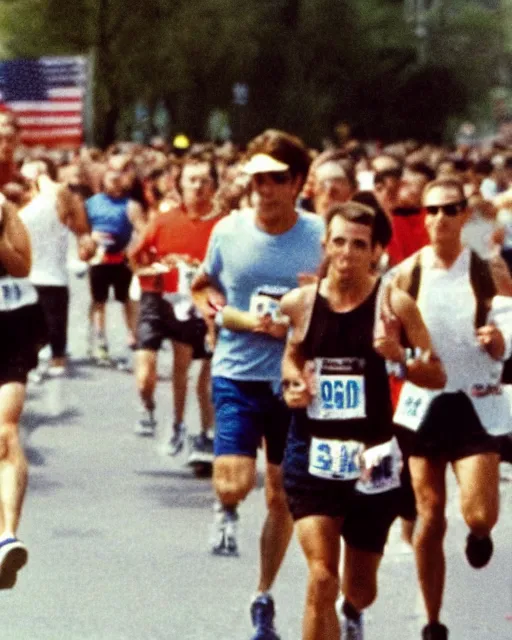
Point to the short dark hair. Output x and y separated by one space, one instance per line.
422 168
383 228
381 176
352 212
284 147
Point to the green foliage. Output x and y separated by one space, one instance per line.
310 64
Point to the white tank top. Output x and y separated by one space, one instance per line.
49 240
448 306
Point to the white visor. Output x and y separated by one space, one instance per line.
330 171
262 163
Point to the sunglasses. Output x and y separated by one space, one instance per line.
451 209
277 177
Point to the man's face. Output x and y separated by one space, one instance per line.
123 165
330 187
386 193
446 214
112 183
274 193
197 185
8 142
411 187
349 249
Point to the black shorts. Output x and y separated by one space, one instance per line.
451 430
23 333
157 322
104 276
55 304
309 495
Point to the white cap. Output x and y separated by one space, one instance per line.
263 163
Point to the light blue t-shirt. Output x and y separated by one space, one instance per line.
246 262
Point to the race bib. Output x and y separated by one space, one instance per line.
380 468
186 273
265 301
412 406
340 389
16 293
335 459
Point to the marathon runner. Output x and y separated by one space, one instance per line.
335 379
471 329
49 215
112 218
22 334
254 257
176 242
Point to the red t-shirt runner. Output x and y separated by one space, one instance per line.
175 232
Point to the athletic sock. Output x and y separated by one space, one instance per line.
350 612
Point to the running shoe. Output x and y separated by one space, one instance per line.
224 533
146 424
478 550
101 356
201 450
262 616
351 629
13 556
177 441
434 631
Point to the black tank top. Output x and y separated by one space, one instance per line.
353 399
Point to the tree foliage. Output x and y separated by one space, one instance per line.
310 64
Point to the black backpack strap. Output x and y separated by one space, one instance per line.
483 286
413 288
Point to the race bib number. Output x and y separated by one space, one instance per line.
380 468
412 406
340 389
265 301
186 273
16 293
335 459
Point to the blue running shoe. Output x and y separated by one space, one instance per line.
13 556
262 616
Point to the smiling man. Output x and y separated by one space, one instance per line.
254 257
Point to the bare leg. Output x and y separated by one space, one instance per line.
130 308
204 396
478 477
319 537
13 465
429 482
146 375
182 360
277 529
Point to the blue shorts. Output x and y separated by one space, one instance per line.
247 412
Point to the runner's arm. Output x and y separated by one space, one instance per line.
297 388
15 253
71 211
425 370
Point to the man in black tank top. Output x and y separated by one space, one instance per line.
341 439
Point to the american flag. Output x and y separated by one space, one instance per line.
47 95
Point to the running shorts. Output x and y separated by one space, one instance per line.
23 333
246 413
104 276
157 322
451 430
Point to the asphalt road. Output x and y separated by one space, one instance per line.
117 532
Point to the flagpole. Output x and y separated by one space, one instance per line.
89 99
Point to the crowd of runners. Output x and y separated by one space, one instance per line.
352 314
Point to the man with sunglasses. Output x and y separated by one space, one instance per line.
470 328
254 257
